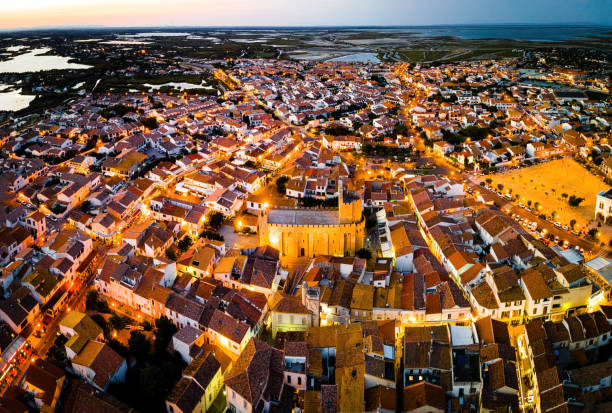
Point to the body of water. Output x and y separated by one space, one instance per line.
517 32
530 32
541 33
542 83
181 86
357 57
13 100
33 61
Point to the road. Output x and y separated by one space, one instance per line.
41 345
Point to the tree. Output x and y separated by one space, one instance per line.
91 299
572 223
575 200
138 345
400 129
185 243
117 322
150 122
500 186
164 330
281 185
86 205
337 130
529 203
171 254
153 387
212 235
215 220
488 181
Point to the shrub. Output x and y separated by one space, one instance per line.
575 200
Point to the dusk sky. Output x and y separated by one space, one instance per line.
33 13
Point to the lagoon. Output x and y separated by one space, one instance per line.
357 57
13 100
33 61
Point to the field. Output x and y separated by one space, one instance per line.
547 182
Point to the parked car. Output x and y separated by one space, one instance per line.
565 228
557 224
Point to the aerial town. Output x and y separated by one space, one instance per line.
299 235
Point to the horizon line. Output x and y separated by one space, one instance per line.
252 27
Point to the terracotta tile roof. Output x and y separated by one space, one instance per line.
250 375
422 395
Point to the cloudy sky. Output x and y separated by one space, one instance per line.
33 13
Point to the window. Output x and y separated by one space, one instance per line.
288 379
299 381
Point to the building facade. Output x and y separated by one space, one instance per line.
307 233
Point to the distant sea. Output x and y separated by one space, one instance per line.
528 32
540 33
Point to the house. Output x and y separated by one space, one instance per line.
288 314
198 388
424 397
603 205
100 365
255 381
186 341
44 381
225 331
79 329
19 310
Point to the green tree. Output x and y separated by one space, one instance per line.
184 243
150 122
488 181
572 223
91 299
500 186
153 387
281 185
117 322
215 220
575 200
164 330
138 345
